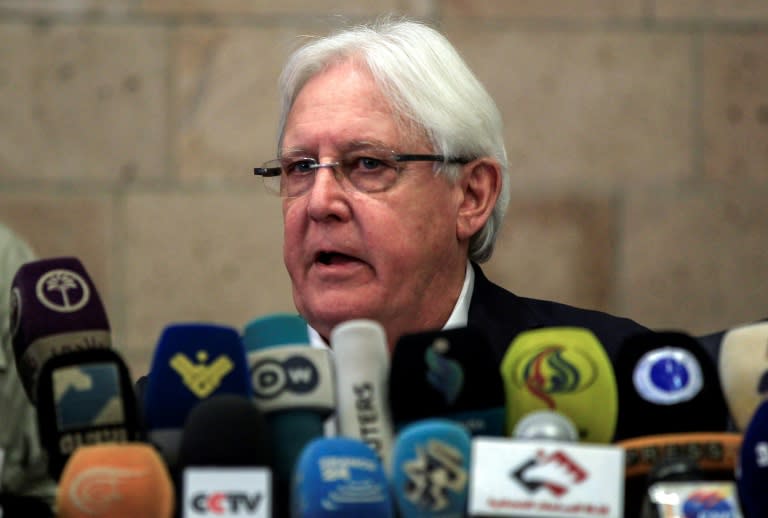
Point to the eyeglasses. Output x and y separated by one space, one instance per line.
366 170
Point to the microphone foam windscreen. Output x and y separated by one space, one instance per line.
84 397
547 425
293 387
286 372
752 471
224 430
225 461
275 330
667 384
362 375
743 370
337 477
430 468
450 373
55 307
192 362
565 369
115 481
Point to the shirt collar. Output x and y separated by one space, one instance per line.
458 317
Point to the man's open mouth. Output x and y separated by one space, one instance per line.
333 258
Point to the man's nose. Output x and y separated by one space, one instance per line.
327 197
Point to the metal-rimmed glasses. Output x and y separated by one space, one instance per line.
369 170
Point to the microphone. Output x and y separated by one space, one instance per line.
84 397
451 374
667 384
542 477
55 308
676 488
743 370
565 369
362 374
192 361
293 387
337 477
224 460
714 453
430 469
546 425
115 481
752 472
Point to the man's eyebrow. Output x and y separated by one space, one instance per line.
354 145
295 151
357 145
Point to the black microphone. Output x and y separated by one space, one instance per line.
225 459
714 454
84 397
55 308
12 506
667 384
670 469
451 374
677 487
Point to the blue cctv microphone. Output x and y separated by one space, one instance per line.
430 469
293 387
192 362
338 477
451 373
752 469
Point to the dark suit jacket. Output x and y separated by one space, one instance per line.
503 315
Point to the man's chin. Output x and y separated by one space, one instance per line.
324 317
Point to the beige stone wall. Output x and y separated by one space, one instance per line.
637 132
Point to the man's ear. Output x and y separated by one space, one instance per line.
480 183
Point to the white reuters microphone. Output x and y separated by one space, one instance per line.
362 372
543 473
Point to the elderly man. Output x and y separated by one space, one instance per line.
394 179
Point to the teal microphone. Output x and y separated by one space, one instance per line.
293 388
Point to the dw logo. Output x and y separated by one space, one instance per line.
296 374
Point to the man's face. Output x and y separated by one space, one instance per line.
392 256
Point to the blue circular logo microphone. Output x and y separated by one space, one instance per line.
667 376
